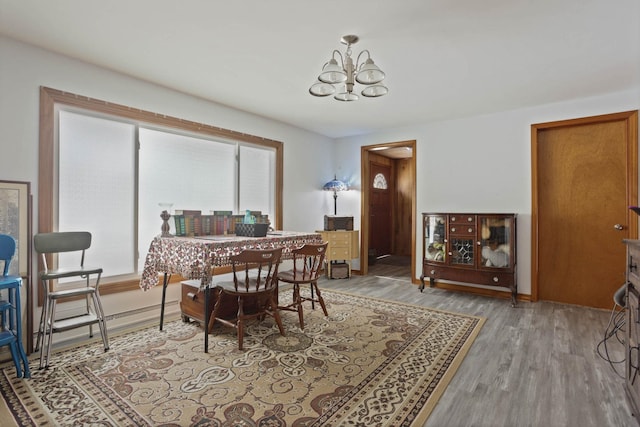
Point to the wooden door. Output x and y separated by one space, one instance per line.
380 192
585 177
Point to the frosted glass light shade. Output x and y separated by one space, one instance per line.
374 91
346 96
322 89
369 73
332 73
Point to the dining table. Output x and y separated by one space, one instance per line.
197 257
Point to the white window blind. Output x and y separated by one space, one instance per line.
257 176
96 169
187 172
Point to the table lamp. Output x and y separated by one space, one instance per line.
335 185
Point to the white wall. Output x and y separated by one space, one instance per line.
474 164
480 164
23 69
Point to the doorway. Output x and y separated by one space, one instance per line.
388 203
585 176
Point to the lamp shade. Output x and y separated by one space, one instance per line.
322 89
335 185
346 96
369 73
332 73
374 91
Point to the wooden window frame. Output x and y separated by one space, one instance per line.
49 98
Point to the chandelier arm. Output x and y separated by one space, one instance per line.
358 64
333 56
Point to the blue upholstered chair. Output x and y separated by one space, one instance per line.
10 309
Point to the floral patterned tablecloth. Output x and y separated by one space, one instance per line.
194 257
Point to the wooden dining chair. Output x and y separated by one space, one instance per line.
307 267
254 283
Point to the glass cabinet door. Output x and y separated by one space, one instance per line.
496 235
434 236
462 251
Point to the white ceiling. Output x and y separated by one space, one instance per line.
443 58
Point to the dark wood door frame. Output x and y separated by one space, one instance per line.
364 204
631 118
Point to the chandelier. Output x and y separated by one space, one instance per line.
366 73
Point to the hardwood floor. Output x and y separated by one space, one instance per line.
532 365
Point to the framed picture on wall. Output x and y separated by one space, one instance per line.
15 218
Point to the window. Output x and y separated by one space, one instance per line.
94 177
380 182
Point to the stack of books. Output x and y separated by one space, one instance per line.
192 223
187 221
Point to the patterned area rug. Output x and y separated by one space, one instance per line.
370 363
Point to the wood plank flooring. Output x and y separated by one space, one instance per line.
532 365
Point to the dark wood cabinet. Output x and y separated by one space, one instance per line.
475 248
632 344
192 303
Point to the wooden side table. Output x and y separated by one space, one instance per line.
343 246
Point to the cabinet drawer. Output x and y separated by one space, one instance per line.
462 229
339 240
339 253
489 278
498 279
462 219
